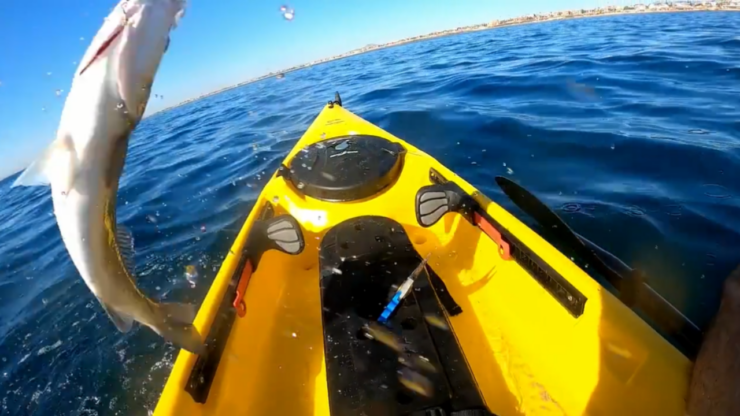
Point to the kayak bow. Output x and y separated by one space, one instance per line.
497 321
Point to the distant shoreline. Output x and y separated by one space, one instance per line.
496 24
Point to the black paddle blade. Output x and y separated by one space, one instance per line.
535 208
556 227
634 291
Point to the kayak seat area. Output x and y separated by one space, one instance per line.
362 261
347 168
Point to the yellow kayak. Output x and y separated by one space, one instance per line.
369 279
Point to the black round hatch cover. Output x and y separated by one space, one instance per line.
346 168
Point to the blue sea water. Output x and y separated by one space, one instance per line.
628 126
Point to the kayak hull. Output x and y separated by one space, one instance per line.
535 335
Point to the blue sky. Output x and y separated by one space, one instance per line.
218 43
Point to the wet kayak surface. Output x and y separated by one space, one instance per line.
626 126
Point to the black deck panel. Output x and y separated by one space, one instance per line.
360 260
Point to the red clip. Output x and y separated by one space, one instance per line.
241 288
504 250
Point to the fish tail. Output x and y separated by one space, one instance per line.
176 325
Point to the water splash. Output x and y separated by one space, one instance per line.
191 274
287 12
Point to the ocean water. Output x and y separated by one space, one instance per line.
629 127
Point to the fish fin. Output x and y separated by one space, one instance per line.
125 241
176 326
122 322
178 16
59 160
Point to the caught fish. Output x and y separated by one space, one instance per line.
83 165
415 382
191 273
418 362
384 336
436 321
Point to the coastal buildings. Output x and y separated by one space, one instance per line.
658 7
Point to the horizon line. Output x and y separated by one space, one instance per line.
679 6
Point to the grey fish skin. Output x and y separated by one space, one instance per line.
83 165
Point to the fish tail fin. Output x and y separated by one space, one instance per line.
176 325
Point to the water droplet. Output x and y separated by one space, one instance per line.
504 164
287 12
48 74
613 147
674 210
634 212
698 131
571 207
716 191
510 171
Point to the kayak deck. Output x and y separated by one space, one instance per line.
528 331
